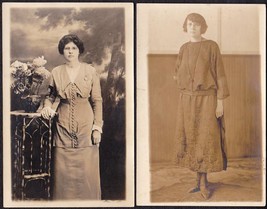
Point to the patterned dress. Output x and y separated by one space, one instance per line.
76 164
201 81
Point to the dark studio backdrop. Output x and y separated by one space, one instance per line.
36 31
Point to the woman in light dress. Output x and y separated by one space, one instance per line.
78 124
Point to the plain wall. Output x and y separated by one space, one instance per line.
240 29
234 27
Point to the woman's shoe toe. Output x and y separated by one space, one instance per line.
193 190
206 194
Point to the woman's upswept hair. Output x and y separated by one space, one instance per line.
70 38
195 17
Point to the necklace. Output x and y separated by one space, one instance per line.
192 75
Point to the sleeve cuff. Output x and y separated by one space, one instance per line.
223 90
95 127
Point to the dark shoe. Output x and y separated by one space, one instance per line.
194 190
205 193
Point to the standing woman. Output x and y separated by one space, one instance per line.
78 126
202 86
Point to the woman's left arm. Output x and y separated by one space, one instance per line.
97 108
222 87
219 108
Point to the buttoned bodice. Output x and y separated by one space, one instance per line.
76 116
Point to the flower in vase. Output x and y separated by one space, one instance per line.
26 78
21 87
39 61
19 65
43 72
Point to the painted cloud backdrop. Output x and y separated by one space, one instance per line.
36 31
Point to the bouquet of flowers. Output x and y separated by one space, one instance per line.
26 79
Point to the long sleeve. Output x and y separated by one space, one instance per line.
97 102
222 87
51 94
178 62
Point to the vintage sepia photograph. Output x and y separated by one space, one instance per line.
201 104
68 104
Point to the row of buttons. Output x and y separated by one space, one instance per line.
74 137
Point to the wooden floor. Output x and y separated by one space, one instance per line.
241 182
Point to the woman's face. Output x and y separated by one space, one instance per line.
71 52
193 29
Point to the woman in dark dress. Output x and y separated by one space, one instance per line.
202 86
78 126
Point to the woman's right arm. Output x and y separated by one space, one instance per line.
177 64
47 111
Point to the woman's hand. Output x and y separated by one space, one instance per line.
219 108
96 137
181 150
47 113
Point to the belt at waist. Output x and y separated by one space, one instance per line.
199 93
77 100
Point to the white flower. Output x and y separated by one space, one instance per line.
24 67
21 87
18 66
39 61
13 70
42 71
